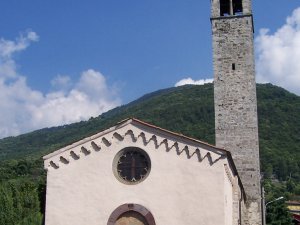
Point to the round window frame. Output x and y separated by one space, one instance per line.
115 165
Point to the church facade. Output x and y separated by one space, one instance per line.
137 174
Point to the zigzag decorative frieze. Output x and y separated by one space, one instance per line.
95 147
105 142
85 151
54 165
64 160
74 155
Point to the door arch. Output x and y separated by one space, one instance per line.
131 214
131 218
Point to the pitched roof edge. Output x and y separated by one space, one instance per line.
124 122
228 153
179 135
230 159
80 142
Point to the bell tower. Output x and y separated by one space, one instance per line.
236 124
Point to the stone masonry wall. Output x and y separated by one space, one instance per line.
235 102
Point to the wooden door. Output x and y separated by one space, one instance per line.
131 218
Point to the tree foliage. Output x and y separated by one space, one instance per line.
278 214
19 203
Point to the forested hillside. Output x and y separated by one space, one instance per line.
187 109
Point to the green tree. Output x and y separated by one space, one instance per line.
6 206
19 203
278 214
290 185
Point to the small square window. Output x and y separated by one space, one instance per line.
233 66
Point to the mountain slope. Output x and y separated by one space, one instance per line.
188 110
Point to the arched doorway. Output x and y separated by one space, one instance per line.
131 214
131 218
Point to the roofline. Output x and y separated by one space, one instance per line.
83 141
228 153
128 121
177 134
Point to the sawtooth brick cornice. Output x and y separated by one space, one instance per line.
133 135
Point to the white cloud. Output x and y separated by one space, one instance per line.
278 54
7 47
61 82
24 109
193 82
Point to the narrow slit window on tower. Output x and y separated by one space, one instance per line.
233 66
224 7
237 6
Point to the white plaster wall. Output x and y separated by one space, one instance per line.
228 198
177 191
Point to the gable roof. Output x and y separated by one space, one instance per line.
156 129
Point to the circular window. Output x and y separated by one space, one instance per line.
131 165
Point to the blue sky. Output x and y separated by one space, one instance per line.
65 61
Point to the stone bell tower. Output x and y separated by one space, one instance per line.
235 96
